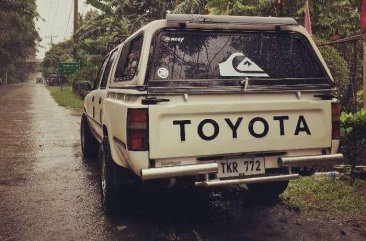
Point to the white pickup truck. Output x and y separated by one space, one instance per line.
210 101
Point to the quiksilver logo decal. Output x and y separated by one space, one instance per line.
246 68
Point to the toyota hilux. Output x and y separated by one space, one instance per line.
206 101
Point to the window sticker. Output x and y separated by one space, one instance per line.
163 72
172 39
246 67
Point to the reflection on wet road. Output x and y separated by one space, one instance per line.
49 192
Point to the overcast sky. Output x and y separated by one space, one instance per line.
57 21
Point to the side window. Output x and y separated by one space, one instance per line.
108 69
129 60
100 73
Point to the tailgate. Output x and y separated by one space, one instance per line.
223 124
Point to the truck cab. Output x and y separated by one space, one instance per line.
211 101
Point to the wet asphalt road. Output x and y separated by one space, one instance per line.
48 191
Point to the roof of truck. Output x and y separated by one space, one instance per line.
243 20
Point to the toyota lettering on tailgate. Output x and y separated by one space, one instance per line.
235 124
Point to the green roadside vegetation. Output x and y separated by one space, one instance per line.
18 39
331 197
66 97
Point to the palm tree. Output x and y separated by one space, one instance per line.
246 7
190 6
104 6
219 7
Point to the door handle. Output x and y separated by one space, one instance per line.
100 100
153 100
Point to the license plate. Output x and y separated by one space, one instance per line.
240 167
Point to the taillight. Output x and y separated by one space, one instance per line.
137 129
336 112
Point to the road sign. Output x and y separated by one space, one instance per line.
61 72
68 65
66 68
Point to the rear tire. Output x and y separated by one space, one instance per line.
89 144
117 185
268 190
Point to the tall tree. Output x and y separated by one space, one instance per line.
327 16
190 6
18 36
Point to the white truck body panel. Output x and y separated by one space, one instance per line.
166 138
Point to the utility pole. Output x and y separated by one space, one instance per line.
51 37
76 25
51 42
76 15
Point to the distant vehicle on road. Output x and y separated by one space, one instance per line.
207 101
52 80
39 80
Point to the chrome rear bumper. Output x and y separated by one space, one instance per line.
178 171
217 182
207 168
301 161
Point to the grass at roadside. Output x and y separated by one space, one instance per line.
326 195
66 97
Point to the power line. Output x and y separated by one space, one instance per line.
68 21
68 28
54 18
84 8
69 25
49 16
